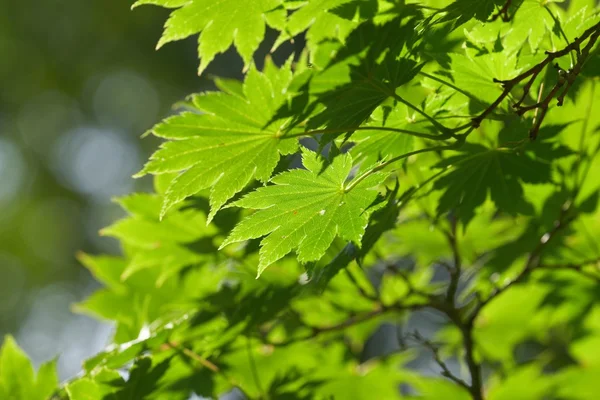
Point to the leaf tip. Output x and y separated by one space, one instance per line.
139 174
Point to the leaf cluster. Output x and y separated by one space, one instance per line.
416 187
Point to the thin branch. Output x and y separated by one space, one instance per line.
194 356
533 261
450 85
205 363
352 321
436 356
577 267
361 290
412 289
445 131
502 13
457 268
254 371
566 78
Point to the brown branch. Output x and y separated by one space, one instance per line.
566 78
472 364
502 13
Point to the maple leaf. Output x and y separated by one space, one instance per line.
324 19
479 170
462 11
375 145
306 209
220 23
158 244
232 143
364 77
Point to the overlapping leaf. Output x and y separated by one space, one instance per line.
305 210
367 71
159 244
233 141
220 23
461 11
374 145
324 19
479 170
475 74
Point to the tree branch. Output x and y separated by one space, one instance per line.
351 321
436 356
502 13
566 78
456 271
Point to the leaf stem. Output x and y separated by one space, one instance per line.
562 32
565 78
365 128
381 166
451 85
445 131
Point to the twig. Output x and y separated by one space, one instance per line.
352 321
254 371
436 356
194 356
205 363
566 79
361 290
533 261
502 13
456 271
577 267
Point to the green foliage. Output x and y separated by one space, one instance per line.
304 210
17 377
453 170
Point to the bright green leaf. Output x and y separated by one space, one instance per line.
233 141
305 210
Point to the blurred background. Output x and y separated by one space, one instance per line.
80 81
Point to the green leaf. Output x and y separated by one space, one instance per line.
101 386
305 210
17 381
375 145
84 389
365 77
461 11
234 141
531 23
326 19
220 24
475 74
479 170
